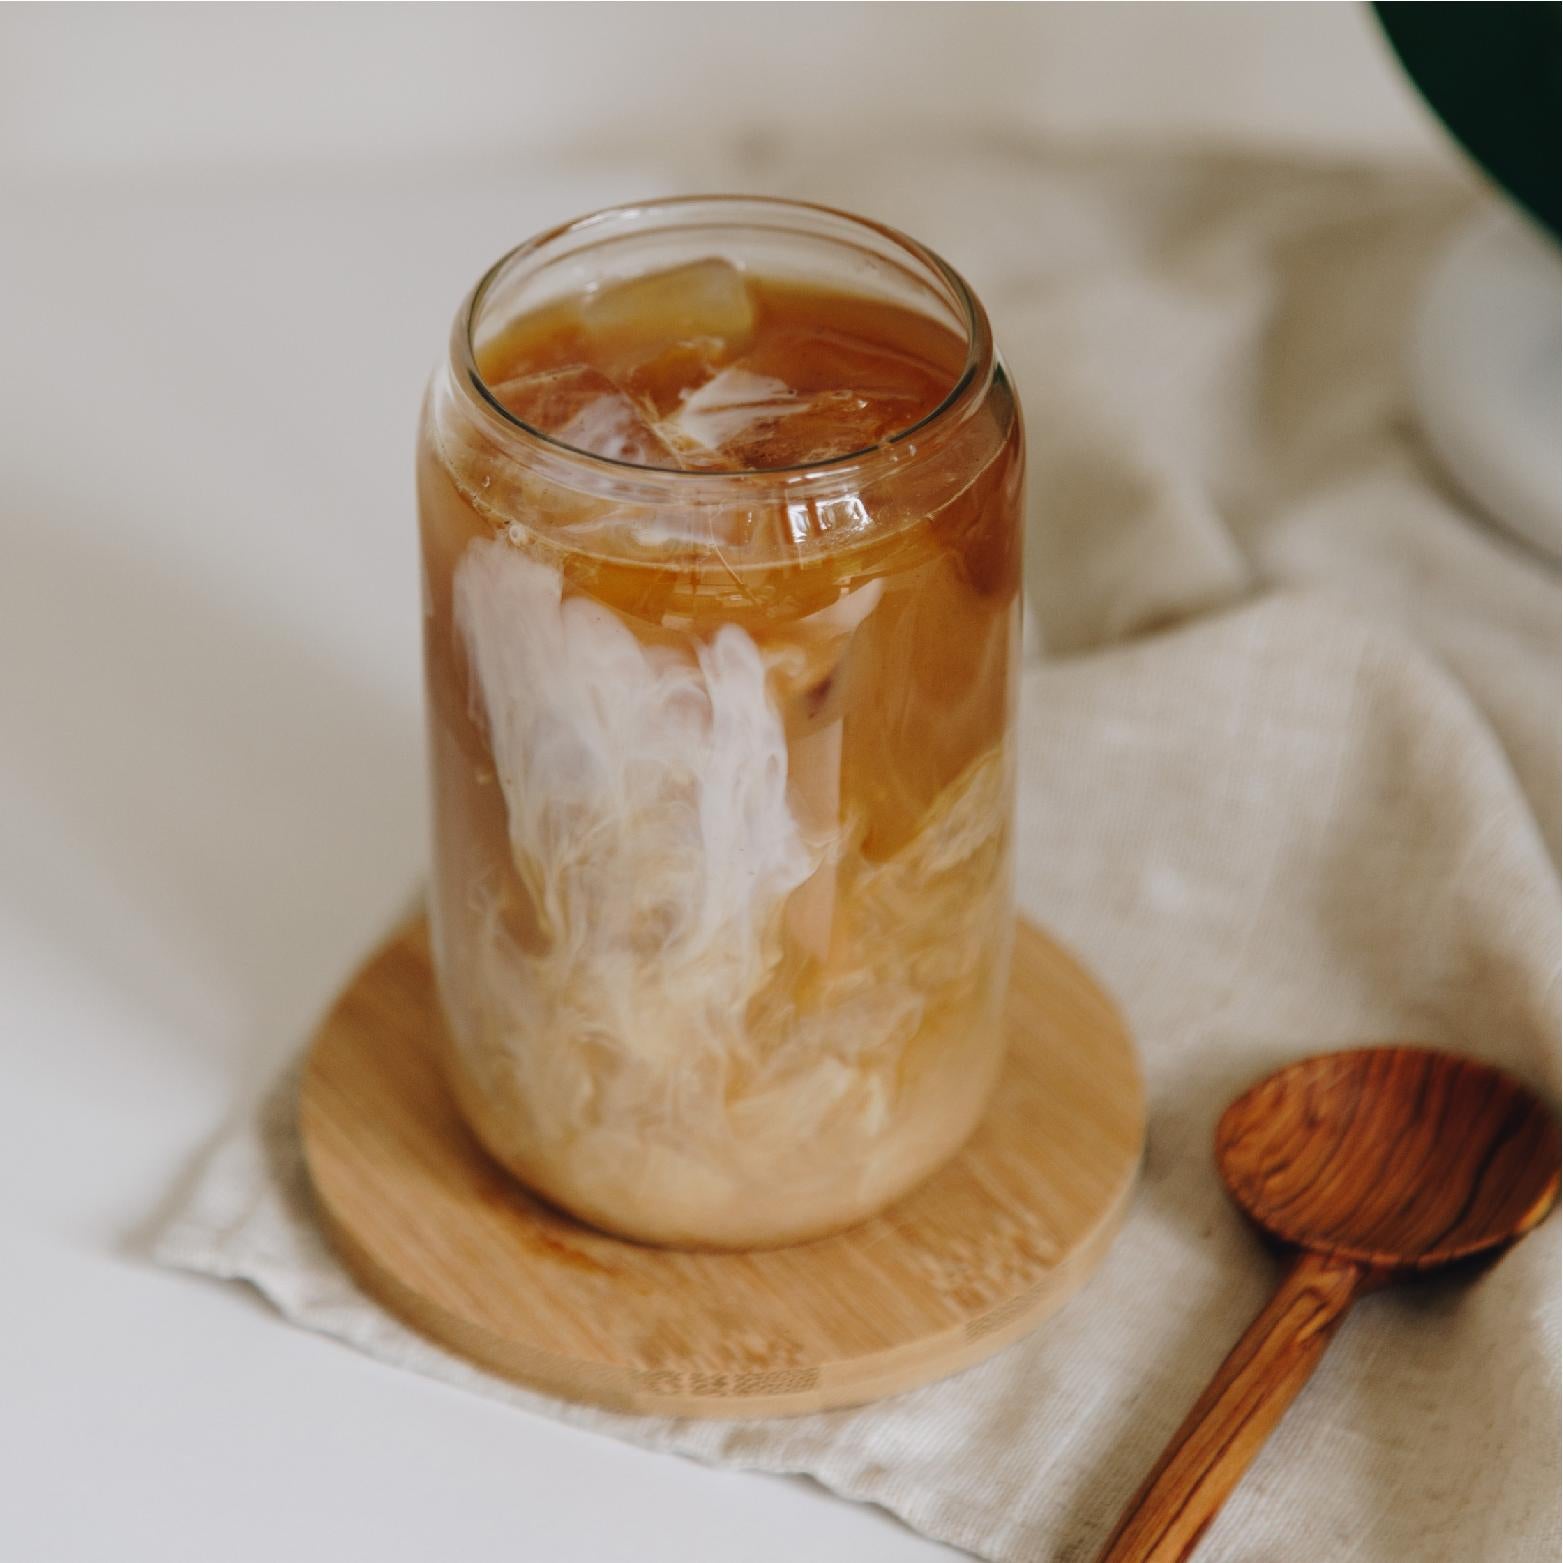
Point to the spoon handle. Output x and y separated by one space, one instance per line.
1243 1402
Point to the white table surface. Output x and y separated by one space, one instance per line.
211 799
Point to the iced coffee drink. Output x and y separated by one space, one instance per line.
720 523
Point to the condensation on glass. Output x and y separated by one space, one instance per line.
720 507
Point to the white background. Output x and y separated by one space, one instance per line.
175 87
230 244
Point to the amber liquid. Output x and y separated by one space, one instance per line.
723 792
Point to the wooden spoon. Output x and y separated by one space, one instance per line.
1372 1164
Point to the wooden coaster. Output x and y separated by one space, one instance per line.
963 1265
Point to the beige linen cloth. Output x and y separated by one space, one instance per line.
1289 781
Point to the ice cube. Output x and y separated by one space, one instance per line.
743 420
731 407
632 320
583 408
661 381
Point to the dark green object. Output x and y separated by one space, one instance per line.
1490 72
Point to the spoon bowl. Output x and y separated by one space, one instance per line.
1402 1158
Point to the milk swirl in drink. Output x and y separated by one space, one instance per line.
720 516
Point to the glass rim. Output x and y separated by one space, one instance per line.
965 393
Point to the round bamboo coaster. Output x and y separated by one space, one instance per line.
975 1257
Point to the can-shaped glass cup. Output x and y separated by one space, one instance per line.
722 751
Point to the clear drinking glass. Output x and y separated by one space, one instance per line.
720 510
